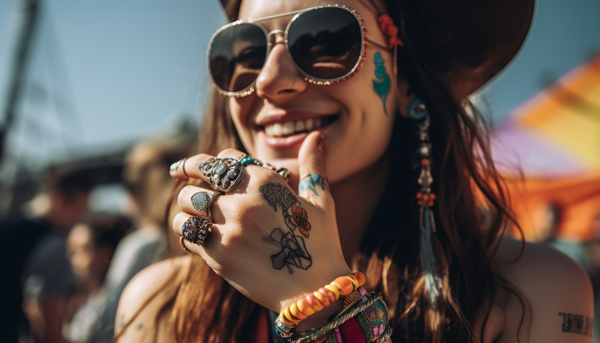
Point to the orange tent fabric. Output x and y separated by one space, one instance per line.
577 200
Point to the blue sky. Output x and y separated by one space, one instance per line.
125 70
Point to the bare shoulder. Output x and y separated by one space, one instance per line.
557 294
143 298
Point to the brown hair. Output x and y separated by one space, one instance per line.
207 309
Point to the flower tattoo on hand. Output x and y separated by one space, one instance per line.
293 247
301 220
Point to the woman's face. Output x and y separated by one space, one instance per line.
88 261
273 121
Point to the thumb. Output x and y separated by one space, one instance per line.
313 184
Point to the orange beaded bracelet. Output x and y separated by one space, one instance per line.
323 297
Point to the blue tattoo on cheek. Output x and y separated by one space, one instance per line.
383 84
311 182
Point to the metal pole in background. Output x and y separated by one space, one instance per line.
16 84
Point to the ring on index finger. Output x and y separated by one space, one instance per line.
224 174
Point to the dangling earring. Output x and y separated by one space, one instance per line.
417 111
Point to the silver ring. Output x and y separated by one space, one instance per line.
224 174
195 230
202 202
284 172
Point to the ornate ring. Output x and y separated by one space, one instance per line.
202 202
195 229
284 172
224 174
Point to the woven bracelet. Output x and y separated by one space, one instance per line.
367 301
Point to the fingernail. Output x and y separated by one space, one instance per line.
321 143
174 166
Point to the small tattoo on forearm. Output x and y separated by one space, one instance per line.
311 182
293 247
122 321
577 323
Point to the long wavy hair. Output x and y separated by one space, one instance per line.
204 308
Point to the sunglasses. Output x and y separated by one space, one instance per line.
326 43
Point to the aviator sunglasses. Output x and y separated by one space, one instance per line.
326 43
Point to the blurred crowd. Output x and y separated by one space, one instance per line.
64 266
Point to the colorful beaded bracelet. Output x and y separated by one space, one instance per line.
313 302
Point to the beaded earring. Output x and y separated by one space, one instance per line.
417 111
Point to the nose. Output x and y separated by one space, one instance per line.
279 78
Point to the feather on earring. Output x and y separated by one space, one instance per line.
417 111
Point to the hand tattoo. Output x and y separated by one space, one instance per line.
293 248
311 182
577 323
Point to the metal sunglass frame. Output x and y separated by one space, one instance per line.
309 78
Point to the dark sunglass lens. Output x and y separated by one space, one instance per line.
237 55
326 43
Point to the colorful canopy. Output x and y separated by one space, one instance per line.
557 132
554 139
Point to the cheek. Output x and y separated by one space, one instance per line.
368 126
240 110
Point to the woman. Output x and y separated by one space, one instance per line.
91 244
346 122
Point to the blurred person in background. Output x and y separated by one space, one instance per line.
90 245
37 275
147 178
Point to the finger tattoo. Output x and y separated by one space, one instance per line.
312 181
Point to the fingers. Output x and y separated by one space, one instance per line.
313 183
189 167
201 202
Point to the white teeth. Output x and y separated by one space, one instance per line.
308 125
276 130
288 128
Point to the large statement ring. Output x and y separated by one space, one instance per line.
224 174
202 202
195 229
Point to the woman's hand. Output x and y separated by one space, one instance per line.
269 243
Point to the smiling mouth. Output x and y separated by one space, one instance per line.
293 127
